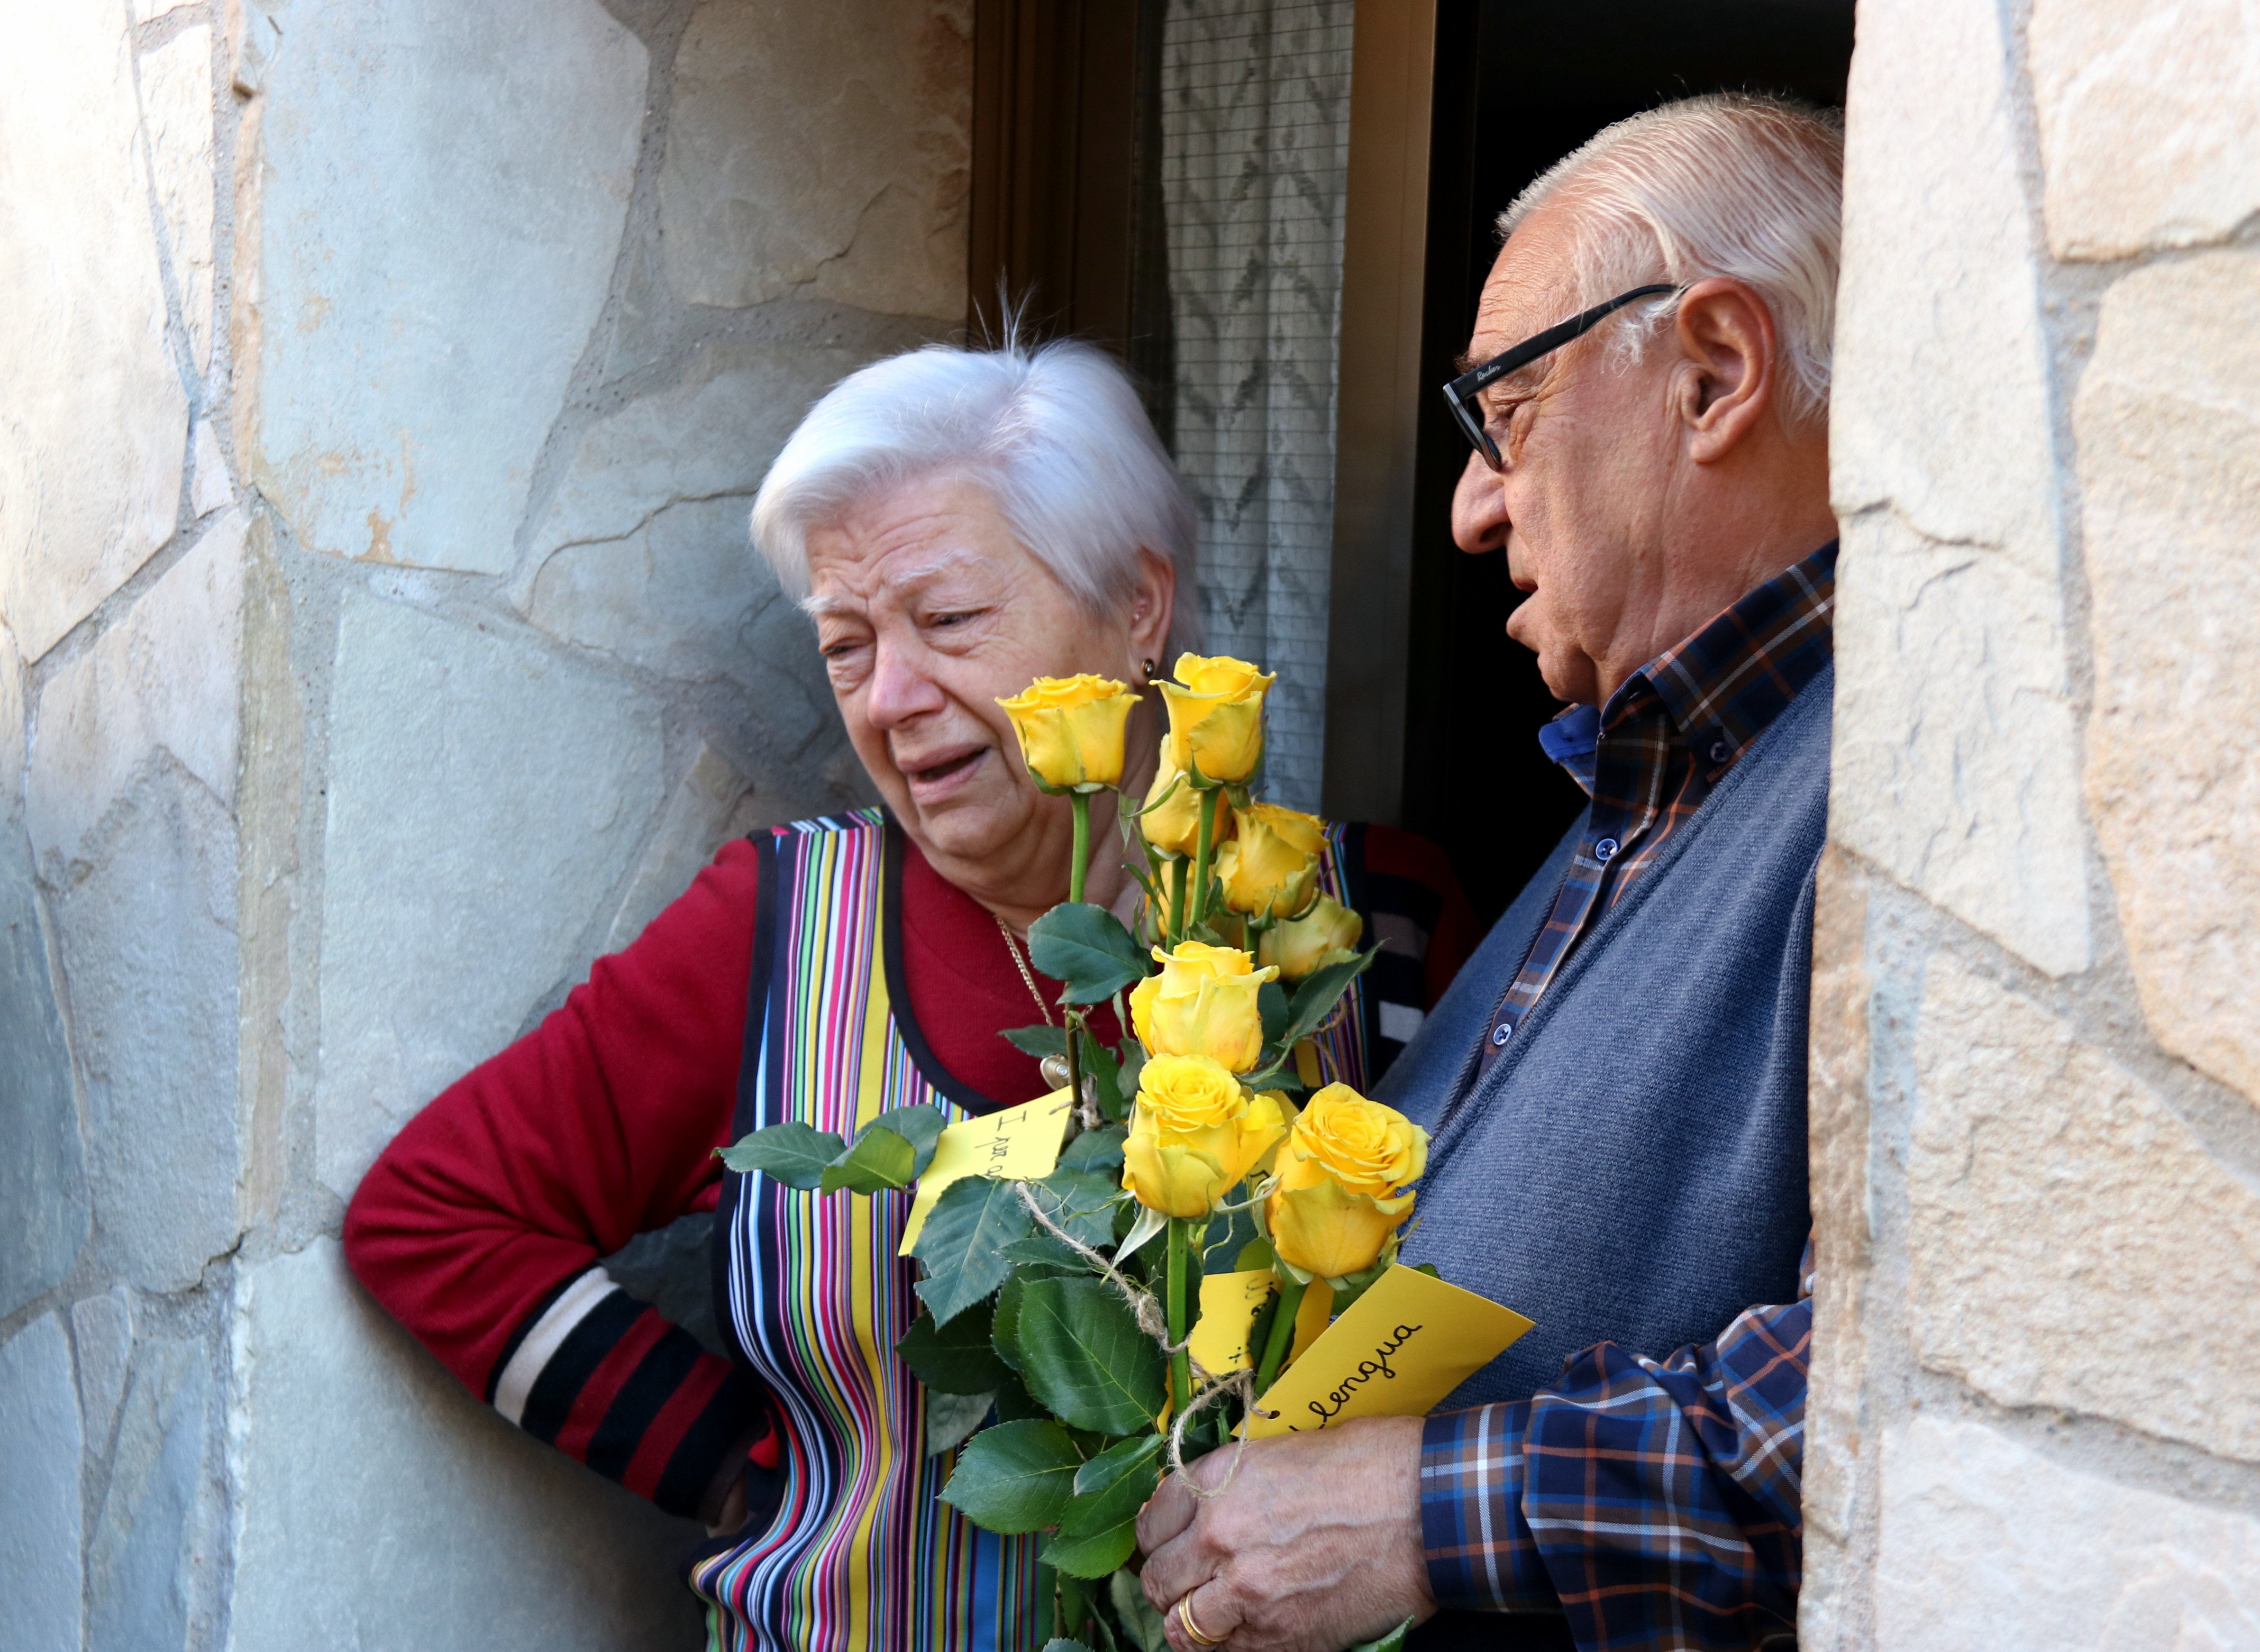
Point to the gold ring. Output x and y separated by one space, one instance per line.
1186 1622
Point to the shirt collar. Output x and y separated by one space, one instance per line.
1723 686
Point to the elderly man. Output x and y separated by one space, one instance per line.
1616 1086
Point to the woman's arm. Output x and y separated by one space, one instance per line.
480 1226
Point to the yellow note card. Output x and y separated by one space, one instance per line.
1395 1351
1229 1302
1019 1144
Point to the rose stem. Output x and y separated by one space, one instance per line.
1201 854
1283 1331
1180 1362
1177 925
1080 801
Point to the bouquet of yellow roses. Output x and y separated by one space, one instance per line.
1062 1349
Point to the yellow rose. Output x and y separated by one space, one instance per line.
1202 1004
1271 865
1194 1135
1070 730
1327 934
1175 824
1343 1187
1216 716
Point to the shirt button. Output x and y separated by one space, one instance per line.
1499 1035
1719 751
1606 849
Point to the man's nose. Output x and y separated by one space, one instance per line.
1479 521
901 688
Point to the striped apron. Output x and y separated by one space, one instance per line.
862 1556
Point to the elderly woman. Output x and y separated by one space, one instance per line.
956 523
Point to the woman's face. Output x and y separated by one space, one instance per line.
928 611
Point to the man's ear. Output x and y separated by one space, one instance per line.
1730 366
1153 605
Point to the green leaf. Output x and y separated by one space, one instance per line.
920 1125
1087 949
1105 1079
962 1243
950 1418
880 1161
1040 1255
1100 1149
1257 1252
1004 1323
1084 1359
1014 1404
1061 1643
793 1154
1016 1477
1100 1530
1038 1041
1315 999
1082 1202
1136 1614
1393 1641
1271 1005
957 1358
1133 1067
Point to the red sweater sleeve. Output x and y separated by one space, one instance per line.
480 1226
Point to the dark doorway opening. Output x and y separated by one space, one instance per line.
1519 84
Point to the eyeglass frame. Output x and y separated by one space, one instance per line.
1460 395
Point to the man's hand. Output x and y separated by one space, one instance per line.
1313 1546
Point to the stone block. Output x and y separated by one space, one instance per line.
822 151
1957 754
1957 758
210 488
2064 1225
445 187
691 827
41 1524
148 924
102 1334
1987 1542
43 1170
92 442
644 550
485 799
164 677
158 1545
2149 122
176 109
384 1508
2169 481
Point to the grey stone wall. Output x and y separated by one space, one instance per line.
379 643
2036 1421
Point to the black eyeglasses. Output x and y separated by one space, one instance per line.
1460 395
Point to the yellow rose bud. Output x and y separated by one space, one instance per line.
1202 1004
1070 730
1343 1176
1216 716
1265 868
1175 824
1195 1134
1327 934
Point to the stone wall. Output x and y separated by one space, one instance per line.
387 381
2036 1035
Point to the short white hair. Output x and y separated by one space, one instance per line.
1732 183
1054 432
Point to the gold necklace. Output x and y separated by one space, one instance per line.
1013 947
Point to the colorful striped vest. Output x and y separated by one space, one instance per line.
862 1556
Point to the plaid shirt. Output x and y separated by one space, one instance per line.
1658 1503
1666 738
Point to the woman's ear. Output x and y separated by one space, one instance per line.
1730 365
1153 605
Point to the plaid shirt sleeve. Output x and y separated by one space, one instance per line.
1655 1502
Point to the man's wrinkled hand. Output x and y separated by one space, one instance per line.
1313 1543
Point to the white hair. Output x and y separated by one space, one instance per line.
1055 434
1732 183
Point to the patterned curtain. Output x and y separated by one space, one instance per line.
1254 164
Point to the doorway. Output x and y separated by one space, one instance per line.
1520 83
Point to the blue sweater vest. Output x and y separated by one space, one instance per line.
1633 1168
